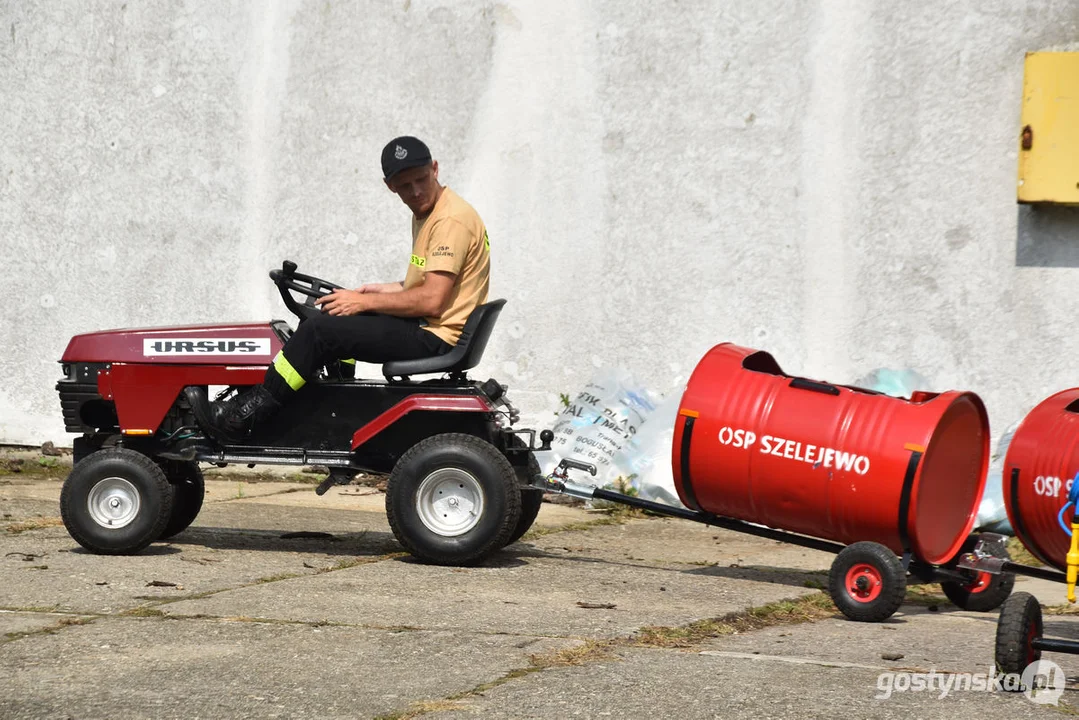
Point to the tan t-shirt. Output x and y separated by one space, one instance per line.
452 239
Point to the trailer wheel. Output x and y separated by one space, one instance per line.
986 592
1019 624
531 497
453 499
116 502
867 582
189 489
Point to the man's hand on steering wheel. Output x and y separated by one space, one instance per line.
343 302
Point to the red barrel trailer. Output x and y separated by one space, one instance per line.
1040 494
891 485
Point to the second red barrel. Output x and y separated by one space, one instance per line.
830 461
1042 460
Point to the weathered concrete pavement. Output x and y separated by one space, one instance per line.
230 619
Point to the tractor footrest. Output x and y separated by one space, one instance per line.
337 476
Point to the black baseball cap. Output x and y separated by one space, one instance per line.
403 153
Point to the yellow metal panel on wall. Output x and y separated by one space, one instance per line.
1049 135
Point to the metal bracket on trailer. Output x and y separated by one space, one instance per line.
558 481
989 564
991 556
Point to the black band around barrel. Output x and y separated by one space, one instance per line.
687 483
904 499
1016 516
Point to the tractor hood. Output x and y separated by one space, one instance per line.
237 344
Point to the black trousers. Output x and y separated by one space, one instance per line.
368 337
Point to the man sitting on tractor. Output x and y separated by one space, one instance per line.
421 316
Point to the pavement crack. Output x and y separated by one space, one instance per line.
66 622
151 611
808 608
291 575
249 498
837 664
791 660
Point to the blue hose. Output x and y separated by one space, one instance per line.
1060 517
1073 499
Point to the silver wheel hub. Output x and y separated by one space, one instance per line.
450 502
113 503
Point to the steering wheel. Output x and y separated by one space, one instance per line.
289 281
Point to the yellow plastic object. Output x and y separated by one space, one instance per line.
1073 562
1049 129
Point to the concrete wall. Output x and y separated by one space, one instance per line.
832 181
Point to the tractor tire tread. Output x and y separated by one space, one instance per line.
189 490
73 509
400 511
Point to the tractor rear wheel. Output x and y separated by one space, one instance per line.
531 497
453 499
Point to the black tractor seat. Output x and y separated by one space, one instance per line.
463 357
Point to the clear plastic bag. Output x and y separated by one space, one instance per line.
645 460
599 420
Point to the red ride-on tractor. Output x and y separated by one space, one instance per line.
459 473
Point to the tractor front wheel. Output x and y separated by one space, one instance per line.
116 502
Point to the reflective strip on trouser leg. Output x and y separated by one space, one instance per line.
287 372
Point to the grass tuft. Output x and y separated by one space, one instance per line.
1020 554
785 612
34 524
143 611
537 532
589 651
926 594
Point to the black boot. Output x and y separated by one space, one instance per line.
233 419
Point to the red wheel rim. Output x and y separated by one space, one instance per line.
871 583
981 583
